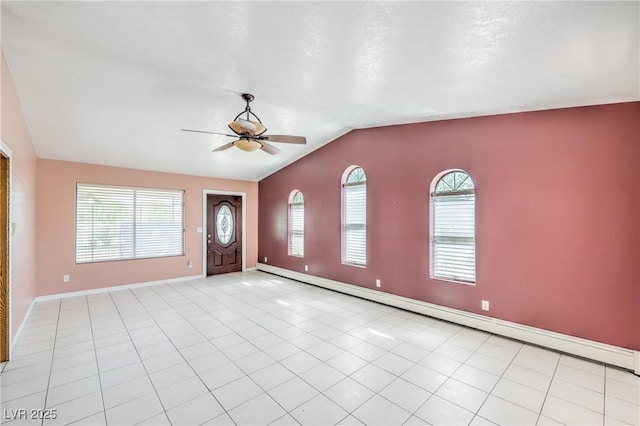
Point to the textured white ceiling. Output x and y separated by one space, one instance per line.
114 82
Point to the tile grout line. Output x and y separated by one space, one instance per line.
462 363
95 351
177 350
604 397
552 376
53 351
232 362
546 395
83 378
560 353
302 379
490 393
563 398
351 413
368 363
318 316
115 304
387 351
301 350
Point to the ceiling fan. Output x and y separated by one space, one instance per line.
250 133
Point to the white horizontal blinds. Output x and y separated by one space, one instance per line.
296 225
159 225
104 223
115 223
453 252
355 218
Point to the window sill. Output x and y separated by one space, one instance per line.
126 259
451 280
355 265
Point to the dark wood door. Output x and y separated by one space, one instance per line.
4 258
224 234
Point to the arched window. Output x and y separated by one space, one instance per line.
296 223
354 217
453 228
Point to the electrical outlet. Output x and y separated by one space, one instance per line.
485 305
265 259
189 264
378 284
306 268
65 278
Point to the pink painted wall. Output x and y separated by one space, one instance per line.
558 215
56 189
15 135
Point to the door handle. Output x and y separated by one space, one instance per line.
218 252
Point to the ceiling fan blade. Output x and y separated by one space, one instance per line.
301 140
269 149
210 133
223 147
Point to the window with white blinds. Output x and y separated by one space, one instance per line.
453 239
118 223
296 224
354 224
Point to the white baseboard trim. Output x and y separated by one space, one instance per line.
114 288
608 354
16 337
250 269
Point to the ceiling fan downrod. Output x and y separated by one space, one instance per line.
248 97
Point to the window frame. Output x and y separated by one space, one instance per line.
433 196
134 219
290 231
344 226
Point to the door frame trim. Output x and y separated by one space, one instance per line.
6 151
206 192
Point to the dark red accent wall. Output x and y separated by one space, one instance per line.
557 215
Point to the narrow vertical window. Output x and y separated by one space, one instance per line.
453 228
296 224
354 217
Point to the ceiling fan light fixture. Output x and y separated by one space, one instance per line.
250 133
241 126
247 124
248 145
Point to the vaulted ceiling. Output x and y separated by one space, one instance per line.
114 82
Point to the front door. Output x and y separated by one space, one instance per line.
224 234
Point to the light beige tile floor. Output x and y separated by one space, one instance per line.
253 348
